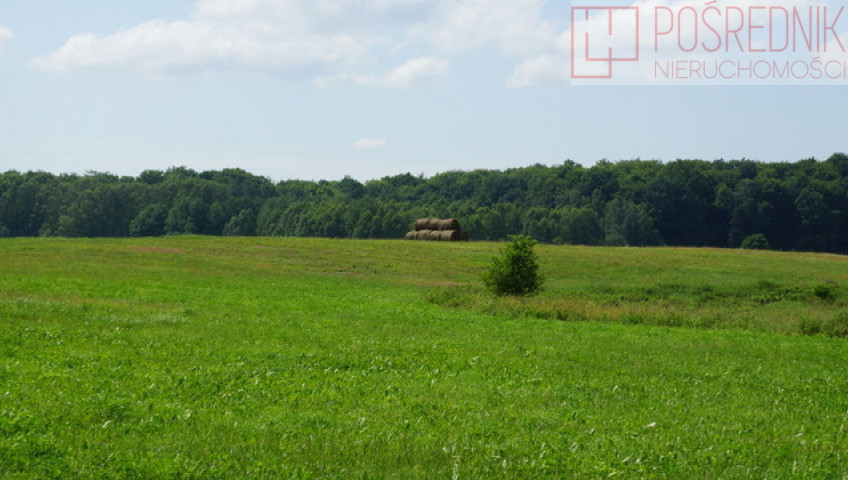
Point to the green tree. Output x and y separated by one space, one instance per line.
797 206
756 241
516 271
579 226
243 224
150 222
629 224
182 217
363 225
681 199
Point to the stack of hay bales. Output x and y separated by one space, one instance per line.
438 230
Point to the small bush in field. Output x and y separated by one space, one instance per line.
757 241
825 291
516 271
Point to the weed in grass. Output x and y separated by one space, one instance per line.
826 291
836 326
451 297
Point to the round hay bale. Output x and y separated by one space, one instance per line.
448 235
434 235
422 224
409 236
448 224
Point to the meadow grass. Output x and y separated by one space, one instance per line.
192 357
704 288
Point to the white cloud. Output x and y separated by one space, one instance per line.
545 70
512 26
173 48
421 72
5 36
289 38
394 44
418 72
380 43
370 144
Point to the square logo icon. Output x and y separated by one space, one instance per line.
602 37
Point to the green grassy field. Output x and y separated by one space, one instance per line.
193 357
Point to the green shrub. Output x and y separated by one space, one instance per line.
756 241
453 297
825 291
516 271
836 326
150 222
810 326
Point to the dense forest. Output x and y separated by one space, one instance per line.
795 206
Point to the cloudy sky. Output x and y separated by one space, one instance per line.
320 89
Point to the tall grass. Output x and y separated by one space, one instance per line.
786 293
191 357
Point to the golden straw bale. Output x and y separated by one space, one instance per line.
448 235
447 224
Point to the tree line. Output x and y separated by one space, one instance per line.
800 205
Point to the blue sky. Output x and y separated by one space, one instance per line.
320 89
